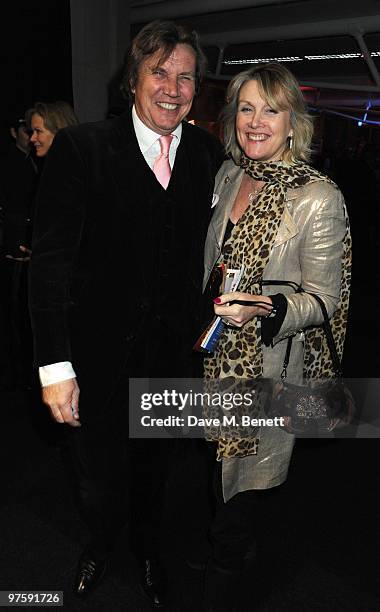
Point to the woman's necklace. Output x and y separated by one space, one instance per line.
245 198
253 195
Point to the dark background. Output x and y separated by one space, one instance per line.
35 56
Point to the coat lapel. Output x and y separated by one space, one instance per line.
288 229
227 185
227 189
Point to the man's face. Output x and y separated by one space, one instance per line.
164 92
21 137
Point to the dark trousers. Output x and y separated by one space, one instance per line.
119 480
233 548
233 528
145 483
141 482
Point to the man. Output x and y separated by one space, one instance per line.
116 284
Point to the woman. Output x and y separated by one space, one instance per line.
281 220
44 121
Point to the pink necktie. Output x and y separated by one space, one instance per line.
161 167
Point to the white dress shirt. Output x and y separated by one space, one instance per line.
150 148
149 142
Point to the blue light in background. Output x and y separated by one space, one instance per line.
360 123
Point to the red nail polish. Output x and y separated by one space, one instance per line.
217 301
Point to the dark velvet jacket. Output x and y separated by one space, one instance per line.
112 250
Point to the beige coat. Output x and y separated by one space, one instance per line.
308 250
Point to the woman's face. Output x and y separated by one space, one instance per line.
41 137
261 131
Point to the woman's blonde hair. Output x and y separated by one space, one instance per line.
280 89
55 115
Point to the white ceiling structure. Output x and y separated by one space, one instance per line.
332 46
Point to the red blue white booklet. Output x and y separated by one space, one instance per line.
207 341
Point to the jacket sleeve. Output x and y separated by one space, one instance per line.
57 233
320 261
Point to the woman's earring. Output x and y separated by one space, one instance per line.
291 141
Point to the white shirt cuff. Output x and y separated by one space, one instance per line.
56 372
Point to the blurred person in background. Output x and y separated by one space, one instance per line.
18 183
19 180
45 119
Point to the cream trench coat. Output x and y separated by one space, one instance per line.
308 250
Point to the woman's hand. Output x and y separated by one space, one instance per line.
235 309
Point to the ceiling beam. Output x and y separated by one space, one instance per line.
183 8
367 56
343 86
316 84
294 31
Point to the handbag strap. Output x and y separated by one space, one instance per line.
293 284
329 337
326 328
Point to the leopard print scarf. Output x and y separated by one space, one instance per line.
238 354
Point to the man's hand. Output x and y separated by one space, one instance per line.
62 398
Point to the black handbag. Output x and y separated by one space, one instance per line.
320 405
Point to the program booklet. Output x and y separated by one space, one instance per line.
227 280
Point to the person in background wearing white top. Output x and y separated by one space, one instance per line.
115 287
